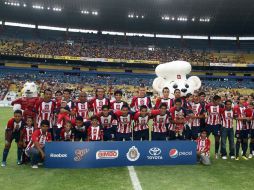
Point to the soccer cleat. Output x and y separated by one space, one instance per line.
35 166
245 158
3 164
250 156
237 158
232 157
19 162
216 156
224 158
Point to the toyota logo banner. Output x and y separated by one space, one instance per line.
114 154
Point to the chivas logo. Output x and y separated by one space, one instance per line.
80 153
133 154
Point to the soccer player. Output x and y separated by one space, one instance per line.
106 120
98 101
227 130
141 128
118 102
179 115
80 129
160 122
27 136
35 148
198 114
203 148
165 99
177 94
242 131
141 100
124 124
67 132
13 131
204 103
214 122
95 130
82 106
250 114
45 109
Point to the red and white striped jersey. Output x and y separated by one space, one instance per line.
213 114
160 122
96 104
250 114
39 137
227 117
138 101
106 121
66 135
82 109
239 112
95 133
176 114
27 133
141 123
45 111
115 106
203 145
167 101
124 122
197 110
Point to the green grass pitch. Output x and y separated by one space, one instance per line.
222 174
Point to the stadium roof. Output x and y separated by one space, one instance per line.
196 17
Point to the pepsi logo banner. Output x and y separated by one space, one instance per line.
114 154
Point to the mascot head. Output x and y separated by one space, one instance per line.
173 75
30 90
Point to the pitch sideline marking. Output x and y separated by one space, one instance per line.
134 178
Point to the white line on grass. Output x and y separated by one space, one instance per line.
134 178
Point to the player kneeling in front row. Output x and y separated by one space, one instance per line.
14 131
35 148
203 148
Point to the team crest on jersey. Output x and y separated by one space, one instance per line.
214 109
80 153
133 154
125 120
118 107
46 107
142 102
100 103
83 106
161 120
106 121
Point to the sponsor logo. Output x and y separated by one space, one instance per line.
155 154
80 153
133 154
174 153
59 155
107 154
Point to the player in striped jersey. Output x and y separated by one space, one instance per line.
124 123
203 148
161 119
227 130
214 122
95 130
141 100
141 128
165 99
106 120
98 101
198 113
67 132
35 148
82 106
13 131
27 136
250 114
242 130
118 102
